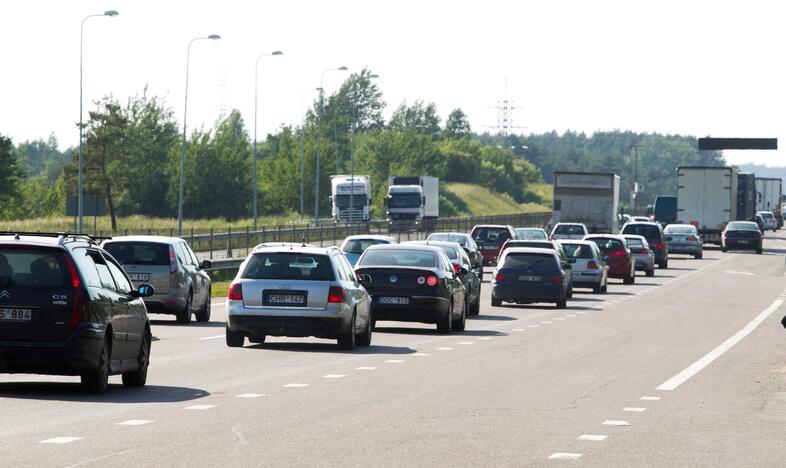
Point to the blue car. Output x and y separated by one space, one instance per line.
354 246
526 275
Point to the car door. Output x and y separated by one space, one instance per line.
201 278
191 274
117 308
354 289
474 281
130 307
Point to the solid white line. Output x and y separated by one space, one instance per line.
296 385
212 337
613 422
733 272
533 326
708 358
251 395
395 361
632 409
199 407
366 368
60 440
135 422
334 376
564 456
650 398
593 438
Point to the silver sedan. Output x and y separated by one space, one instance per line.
684 239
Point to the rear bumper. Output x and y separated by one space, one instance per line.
644 263
169 303
684 248
328 323
421 309
751 244
77 355
587 279
528 294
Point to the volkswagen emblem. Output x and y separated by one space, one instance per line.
393 279
5 295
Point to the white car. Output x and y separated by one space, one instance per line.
587 265
769 220
575 231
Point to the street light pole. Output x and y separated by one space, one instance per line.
256 106
80 189
352 149
302 152
635 178
213 37
319 132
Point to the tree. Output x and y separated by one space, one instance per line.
420 118
11 173
457 125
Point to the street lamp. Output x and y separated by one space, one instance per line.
319 132
80 193
254 177
213 37
302 155
354 124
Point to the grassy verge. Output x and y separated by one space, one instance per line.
219 289
480 201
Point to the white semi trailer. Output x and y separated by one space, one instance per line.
590 198
707 198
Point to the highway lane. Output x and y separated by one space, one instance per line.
522 384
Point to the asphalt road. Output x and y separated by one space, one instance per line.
684 369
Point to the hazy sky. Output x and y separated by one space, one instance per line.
701 68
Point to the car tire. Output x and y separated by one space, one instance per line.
461 323
364 339
630 279
562 304
699 255
184 316
348 341
139 377
98 381
597 289
605 287
474 309
724 249
570 292
651 272
495 302
445 324
203 315
257 339
759 251
235 339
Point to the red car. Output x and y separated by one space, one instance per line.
490 238
617 255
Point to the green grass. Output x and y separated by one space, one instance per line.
480 201
219 288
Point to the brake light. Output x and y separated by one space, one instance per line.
659 246
456 267
78 303
432 280
172 260
336 294
619 253
557 279
591 265
235 291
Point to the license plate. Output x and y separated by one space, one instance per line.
393 300
139 276
742 241
529 278
16 315
286 299
488 247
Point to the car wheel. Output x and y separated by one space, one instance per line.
562 304
257 339
724 249
203 315
759 251
139 378
570 292
630 279
445 324
348 340
184 316
235 339
699 255
474 309
98 380
461 323
495 302
364 339
598 288
651 272
605 287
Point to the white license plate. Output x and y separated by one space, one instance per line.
393 300
16 315
286 299
139 276
529 278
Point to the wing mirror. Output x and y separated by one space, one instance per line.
205 265
462 271
144 290
606 258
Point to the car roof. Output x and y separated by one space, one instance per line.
571 224
604 236
62 240
371 236
529 229
638 223
500 226
423 247
529 250
578 242
158 239
454 245
40 241
462 234
297 248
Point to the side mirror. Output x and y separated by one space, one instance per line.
364 279
462 271
205 265
144 290
606 258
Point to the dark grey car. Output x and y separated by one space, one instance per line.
182 285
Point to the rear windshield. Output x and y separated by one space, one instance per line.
569 229
451 252
647 230
33 268
607 244
578 250
745 226
535 244
461 240
139 253
491 235
767 215
680 230
531 234
290 266
634 242
529 260
358 246
399 257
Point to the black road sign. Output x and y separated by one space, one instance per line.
738 143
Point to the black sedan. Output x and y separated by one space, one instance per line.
467 243
413 283
741 235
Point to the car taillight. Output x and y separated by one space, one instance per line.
659 246
336 294
456 267
619 253
78 302
235 292
692 238
432 280
499 277
592 265
557 279
172 260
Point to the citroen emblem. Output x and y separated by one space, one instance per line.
5 295
393 279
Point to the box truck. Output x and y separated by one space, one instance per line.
590 198
746 196
707 198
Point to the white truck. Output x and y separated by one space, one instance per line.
590 198
350 198
412 202
707 199
769 193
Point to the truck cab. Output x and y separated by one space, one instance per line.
350 198
405 204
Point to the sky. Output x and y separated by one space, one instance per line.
702 68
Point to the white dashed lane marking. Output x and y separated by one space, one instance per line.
564 456
251 395
296 385
214 337
421 354
486 338
533 326
614 422
593 438
518 329
559 318
444 348
334 376
466 342
199 407
135 422
546 322
60 440
631 409
650 398
395 361
366 368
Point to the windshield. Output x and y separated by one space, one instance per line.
529 260
530 233
358 246
491 235
290 266
139 253
461 240
399 257
405 200
358 201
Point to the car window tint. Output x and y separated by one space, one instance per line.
342 266
181 254
103 271
87 267
529 260
139 253
123 285
534 244
491 235
680 230
358 246
400 257
569 229
286 265
647 230
191 254
348 266
634 242
578 250
33 268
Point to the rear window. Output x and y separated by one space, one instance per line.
569 230
578 250
139 253
744 226
461 240
529 260
33 268
607 244
399 257
358 246
767 215
491 235
451 252
531 234
647 230
680 230
634 242
290 266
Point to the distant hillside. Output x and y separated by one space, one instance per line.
764 171
459 199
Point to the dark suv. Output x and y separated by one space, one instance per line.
653 232
68 308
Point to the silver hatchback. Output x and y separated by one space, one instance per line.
642 254
182 286
298 291
587 265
